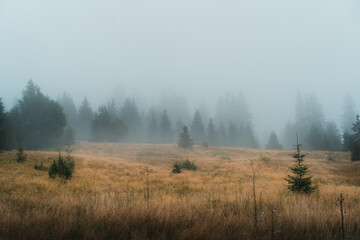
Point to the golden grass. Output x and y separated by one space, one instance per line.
106 199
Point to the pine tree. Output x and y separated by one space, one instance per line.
233 136
197 128
298 182
69 108
69 136
3 136
349 113
165 128
273 142
355 149
152 131
211 134
85 119
130 116
185 140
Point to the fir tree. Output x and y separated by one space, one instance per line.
152 131
298 182
85 118
273 142
165 128
355 148
185 140
197 128
3 136
211 133
69 136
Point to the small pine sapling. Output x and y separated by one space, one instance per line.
298 182
176 168
20 155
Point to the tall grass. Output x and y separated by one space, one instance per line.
108 196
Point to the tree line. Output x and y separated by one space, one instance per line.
38 122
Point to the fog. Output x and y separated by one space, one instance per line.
266 51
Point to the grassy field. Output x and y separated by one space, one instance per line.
107 196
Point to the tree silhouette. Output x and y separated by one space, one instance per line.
185 140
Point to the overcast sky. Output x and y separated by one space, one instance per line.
267 49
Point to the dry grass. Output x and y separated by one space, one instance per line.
106 199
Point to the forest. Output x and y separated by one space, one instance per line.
39 122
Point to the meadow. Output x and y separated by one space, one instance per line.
107 198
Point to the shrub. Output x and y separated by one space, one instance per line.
63 167
176 168
188 165
21 157
40 167
264 158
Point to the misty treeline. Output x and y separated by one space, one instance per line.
38 122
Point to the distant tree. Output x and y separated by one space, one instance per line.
315 138
348 142
211 133
130 115
273 142
112 109
233 136
39 121
288 135
349 114
20 155
185 140
106 129
197 128
85 119
248 138
3 135
179 126
152 129
222 136
69 108
165 128
332 137
309 115
69 136
298 182
355 149
232 108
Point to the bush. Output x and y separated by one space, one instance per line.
176 168
20 156
188 165
40 167
63 167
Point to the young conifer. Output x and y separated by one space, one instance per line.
298 182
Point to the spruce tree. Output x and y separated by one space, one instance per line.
2 126
273 142
185 140
355 148
85 119
298 182
197 128
166 132
211 133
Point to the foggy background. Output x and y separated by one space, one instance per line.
266 50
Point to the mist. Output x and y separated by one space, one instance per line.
264 51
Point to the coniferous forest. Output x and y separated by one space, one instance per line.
39 122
